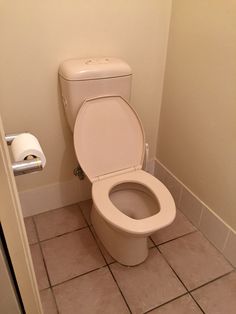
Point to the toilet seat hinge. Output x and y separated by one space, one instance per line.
116 173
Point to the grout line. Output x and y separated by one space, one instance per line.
36 230
108 265
90 226
172 268
198 230
96 241
80 275
178 276
211 281
119 289
45 266
197 303
39 243
60 235
191 290
55 300
44 262
153 243
183 235
171 300
44 289
50 288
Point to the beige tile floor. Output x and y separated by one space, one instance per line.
183 274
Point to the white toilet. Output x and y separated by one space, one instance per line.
129 204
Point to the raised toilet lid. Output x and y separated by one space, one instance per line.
108 136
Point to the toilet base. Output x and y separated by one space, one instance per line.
124 248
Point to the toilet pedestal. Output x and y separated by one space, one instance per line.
127 250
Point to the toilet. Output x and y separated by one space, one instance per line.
129 204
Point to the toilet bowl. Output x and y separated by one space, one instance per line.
127 208
129 204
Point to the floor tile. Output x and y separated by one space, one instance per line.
218 297
48 302
95 292
39 267
30 230
86 207
149 284
179 227
195 260
109 259
182 305
59 221
71 255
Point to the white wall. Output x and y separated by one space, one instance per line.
197 135
36 36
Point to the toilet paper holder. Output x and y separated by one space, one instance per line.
25 166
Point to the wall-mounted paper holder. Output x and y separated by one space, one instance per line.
30 164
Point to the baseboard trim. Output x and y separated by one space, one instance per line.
56 195
151 166
215 229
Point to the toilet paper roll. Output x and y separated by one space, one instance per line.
25 145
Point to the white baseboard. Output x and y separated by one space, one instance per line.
215 229
151 166
54 196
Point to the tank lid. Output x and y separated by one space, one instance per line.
93 68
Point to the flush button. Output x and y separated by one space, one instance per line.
97 61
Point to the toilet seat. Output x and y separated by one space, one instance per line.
111 214
108 137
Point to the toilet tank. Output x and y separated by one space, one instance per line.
82 79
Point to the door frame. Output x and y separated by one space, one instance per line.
13 226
